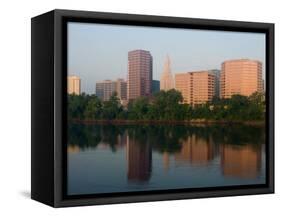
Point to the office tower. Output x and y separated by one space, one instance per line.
155 86
216 73
196 87
241 76
73 85
167 80
105 89
121 89
139 74
184 85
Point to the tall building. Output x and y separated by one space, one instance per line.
121 89
139 74
196 87
216 73
167 80
105 89
242 76
155 86
73 85
184 85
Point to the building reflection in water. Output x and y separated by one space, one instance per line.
71 149
117 141
122 140
240 161
166 161
233 160
139 160
196 150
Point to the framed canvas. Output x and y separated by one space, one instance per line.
131 108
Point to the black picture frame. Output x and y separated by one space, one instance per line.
48 108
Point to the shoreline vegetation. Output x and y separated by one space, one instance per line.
168 122
167 107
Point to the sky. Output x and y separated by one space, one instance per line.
98 52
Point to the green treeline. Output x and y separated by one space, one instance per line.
165 106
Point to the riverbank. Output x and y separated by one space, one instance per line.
169 122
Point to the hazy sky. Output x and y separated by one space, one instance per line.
100 51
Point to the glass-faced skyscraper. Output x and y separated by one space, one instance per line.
139 74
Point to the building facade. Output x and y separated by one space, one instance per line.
167 80
73 85
139 74
216 73
241 76
155 86
105 89
121 89
196 87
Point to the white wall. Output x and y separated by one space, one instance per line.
15 106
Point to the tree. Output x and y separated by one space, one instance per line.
93 109
76 105
138 109
257 106
257 99
111 108
202 111
167 105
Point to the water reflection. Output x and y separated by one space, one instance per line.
196 150
139 160
73 148
242 161
168 156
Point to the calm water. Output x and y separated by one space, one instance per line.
104 159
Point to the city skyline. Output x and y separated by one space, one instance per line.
242 76
189 50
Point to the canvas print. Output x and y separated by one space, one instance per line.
154 108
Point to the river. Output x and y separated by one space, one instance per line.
126 158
